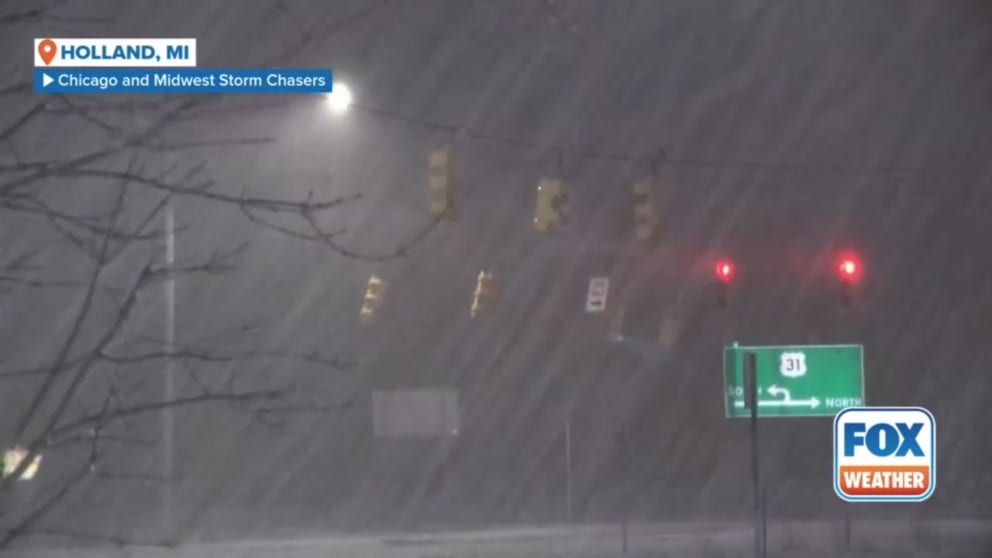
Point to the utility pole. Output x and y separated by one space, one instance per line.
568 470
168 387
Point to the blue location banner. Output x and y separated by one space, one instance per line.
185 81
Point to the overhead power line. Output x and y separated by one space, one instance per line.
660 157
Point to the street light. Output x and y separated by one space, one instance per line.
339 99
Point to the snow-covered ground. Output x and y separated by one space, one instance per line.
812 539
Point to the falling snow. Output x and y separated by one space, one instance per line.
779 136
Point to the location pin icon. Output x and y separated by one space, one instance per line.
46 49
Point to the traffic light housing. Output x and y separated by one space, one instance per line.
440 183
485 294
724 270
849 270
550 207
374 294
650 204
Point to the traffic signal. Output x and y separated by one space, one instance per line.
646 209
440 182
724 271
849 271
551 200
485 293
374 293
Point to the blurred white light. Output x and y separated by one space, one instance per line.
339 99
12 460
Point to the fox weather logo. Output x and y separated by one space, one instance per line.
884 454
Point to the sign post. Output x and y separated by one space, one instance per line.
751 393
795 380
787 381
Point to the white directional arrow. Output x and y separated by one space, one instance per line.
46 80
812 403
785 401
775 391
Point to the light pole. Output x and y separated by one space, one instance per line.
168 387
339 101
568 470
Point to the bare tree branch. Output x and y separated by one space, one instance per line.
267 204
204 355
75 331
199 144
87 364
33 14
16 125
45 14
312 357
64 167
39 512
100 351
145 408
37 282
140 477
315 408
117 541
87 438
399 251
69 363
187 353
14 88
64 488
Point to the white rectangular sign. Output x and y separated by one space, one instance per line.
599 288
417 413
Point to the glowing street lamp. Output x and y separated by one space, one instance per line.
340 98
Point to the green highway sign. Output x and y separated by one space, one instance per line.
796 380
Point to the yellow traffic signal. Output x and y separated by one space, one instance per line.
374 294
485 293
650 204
551 200
439 181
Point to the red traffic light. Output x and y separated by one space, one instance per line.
849 268
724 270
